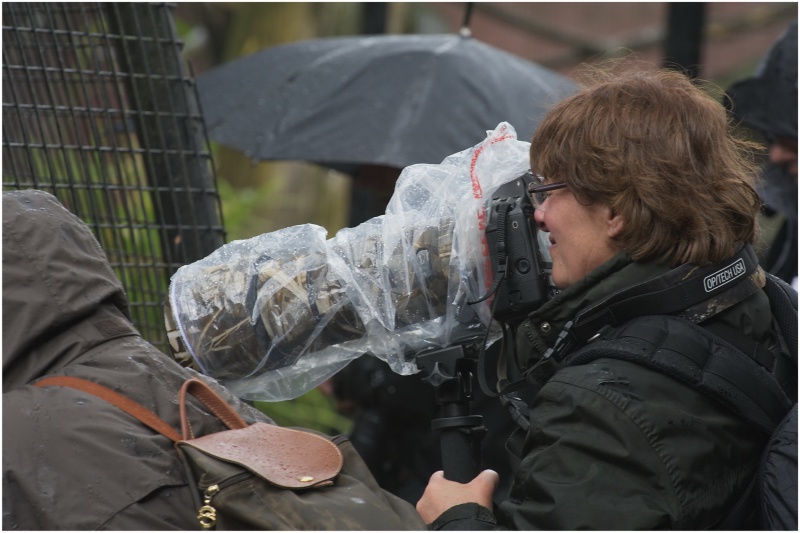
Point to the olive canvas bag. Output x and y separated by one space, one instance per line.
263 476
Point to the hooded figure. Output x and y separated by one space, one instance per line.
767 102
70 460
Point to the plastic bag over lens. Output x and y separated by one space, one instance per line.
275 315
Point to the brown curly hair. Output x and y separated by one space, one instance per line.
660 152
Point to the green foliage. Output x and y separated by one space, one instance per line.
313 410
242 206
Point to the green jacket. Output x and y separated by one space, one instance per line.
614 445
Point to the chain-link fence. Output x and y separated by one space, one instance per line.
98 109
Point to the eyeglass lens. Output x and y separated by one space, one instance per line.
540 193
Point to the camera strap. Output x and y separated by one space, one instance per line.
694 293
684 291
503 207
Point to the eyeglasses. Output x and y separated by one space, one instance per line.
540 193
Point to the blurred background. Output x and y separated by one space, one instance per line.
724 40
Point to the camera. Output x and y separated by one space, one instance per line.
395 286
275 315
518 253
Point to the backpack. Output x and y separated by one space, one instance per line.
756 384
263 476
776 477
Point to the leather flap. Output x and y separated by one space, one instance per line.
285 457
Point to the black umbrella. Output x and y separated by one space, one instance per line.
391 100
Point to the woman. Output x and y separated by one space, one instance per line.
643 188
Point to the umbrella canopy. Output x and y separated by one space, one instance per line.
391 100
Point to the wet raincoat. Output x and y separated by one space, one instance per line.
618 446
70 460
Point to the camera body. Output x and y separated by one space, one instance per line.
512 236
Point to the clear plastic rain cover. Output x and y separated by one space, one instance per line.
275 315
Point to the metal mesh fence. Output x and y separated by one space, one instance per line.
98 109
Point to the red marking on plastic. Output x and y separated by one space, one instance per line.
477 193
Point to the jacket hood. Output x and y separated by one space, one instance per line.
768 101
54 275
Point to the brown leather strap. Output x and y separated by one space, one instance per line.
144 415
214 403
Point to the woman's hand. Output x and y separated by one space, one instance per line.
441 494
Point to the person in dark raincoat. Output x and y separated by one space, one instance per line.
767 103
644 176
71 460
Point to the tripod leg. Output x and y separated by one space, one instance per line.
460 437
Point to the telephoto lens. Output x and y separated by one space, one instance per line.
275 315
